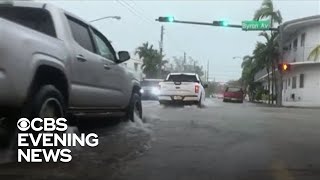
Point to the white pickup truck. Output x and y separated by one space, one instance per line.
185 88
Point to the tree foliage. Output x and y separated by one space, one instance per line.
267 11
188 66
152 60
265 55
315 53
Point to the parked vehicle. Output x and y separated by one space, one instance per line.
54 64
233 94
185 88
150 89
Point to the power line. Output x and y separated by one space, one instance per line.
141 16
133 10
138 11
141 12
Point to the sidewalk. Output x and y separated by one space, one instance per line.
265 104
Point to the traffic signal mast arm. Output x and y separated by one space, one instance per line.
214 23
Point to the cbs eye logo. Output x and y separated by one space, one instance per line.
23 124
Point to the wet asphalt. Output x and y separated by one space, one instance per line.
219 141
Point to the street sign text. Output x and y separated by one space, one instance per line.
255 25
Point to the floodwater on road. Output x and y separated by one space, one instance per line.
218 141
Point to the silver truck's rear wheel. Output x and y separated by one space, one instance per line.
51 108
135 108
46 102
7 130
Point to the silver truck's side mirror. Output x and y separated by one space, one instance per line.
123 56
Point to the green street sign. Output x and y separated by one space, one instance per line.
255 25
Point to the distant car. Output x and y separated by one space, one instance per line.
185 88
150 89
234 94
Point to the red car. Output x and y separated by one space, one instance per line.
234 94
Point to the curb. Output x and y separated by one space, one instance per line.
289 107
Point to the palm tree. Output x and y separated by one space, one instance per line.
272 56
152 60
315 53
267 11
250 66
263 60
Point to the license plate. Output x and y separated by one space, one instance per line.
177 97
233 99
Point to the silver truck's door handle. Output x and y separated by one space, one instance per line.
81 58
107 66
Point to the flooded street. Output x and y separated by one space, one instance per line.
219 141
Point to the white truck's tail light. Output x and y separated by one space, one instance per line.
196 88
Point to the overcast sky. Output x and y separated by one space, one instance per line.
204 43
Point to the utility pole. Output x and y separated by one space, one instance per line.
161 50
208 71
184 60
161 40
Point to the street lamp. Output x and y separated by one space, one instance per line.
107 17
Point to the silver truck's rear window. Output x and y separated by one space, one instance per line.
35 18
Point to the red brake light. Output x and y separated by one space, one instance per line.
196 88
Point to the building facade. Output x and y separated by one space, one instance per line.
301 83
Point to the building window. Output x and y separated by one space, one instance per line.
289 82
294 82
301 83
290 47
295 44
303 39
136 66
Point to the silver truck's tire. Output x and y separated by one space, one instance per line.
8 131
135 107
46 102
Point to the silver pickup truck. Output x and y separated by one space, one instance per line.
54 64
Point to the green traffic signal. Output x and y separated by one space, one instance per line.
220 23
225 23
170 18
166 19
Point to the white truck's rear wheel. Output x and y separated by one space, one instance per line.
200 102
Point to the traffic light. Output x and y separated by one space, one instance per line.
166 19
284 67
220 23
